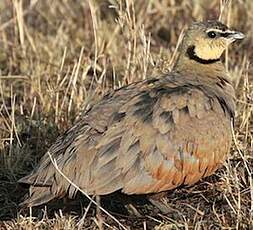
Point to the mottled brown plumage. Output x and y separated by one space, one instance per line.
152 135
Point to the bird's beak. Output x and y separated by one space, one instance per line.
235 35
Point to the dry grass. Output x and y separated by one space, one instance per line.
58 57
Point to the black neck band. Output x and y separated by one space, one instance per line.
192 55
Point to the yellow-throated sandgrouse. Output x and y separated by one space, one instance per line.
152 135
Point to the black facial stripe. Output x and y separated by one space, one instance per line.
224 34
192 55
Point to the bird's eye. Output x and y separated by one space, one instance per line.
211 34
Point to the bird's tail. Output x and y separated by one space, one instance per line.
38 196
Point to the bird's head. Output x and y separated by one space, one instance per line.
206 41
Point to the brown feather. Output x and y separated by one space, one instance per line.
147 137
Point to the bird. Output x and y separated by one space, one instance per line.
152 135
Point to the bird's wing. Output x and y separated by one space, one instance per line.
78 142
167 137
144 138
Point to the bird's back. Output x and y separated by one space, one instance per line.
146 137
